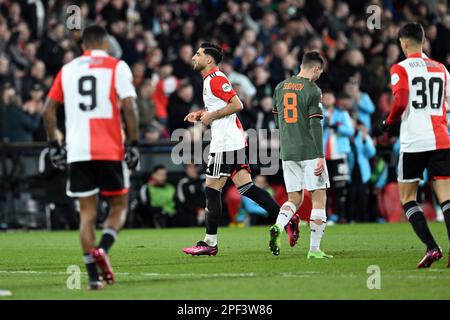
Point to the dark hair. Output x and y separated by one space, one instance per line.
94 35
158 167
413 31
312 58
213 50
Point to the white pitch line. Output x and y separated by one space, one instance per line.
181 275
305 274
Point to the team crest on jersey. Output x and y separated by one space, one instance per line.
226 87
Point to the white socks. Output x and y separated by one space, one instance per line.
317 229
285 214
211 239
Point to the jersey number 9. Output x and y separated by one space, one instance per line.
88 89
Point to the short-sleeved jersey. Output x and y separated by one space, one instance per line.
423 122
90 87
295 101
227 133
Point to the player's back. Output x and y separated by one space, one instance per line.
90 85
424 124
297 100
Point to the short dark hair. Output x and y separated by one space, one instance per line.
312 58
213 50
94 35
413 31
159 167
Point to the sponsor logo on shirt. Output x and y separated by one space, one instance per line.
395 79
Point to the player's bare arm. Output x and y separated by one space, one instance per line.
50 108
131 118
235 105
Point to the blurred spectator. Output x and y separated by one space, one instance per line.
338 129
158 197
268 30
260 79
363 150
182 66
36 105
145 105
191 198
280 51
19 124
35 76
51 50
363 106
264 115
166 84
180 104
6 71
247 87
182 69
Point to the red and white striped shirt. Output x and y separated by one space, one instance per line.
90 87
420 87
227 133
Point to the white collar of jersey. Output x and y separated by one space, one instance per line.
98 53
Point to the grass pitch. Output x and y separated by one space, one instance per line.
150 265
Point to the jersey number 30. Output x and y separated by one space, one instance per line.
87 86
435 99
290 107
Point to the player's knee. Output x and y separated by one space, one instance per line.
318 216
289 206
318 196
119 208
296 198
88 219
407 198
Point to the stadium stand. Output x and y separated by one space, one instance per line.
263 41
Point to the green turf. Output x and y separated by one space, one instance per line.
151 265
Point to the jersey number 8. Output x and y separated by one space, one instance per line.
290 104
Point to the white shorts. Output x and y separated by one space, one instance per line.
299 175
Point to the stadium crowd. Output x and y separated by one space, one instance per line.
263 42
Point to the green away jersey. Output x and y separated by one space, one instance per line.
295 101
